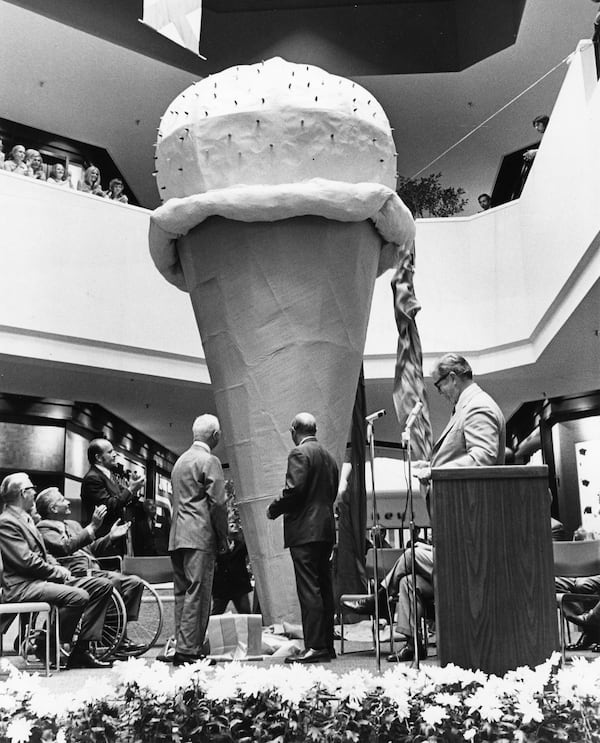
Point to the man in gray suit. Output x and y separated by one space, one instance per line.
475 436
198 533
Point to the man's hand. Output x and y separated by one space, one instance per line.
98 517
529 155
137 482
270 515
421 470
64 573
223 547
118 530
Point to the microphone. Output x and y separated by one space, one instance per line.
412 416
375 416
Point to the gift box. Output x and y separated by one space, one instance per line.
235 636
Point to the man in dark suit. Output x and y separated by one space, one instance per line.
198 533
30 574
311 486
98 489
77 547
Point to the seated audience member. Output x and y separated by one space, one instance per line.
144 528
59 176
2 155
33 160
31 574
485 202
77 547
16 164
232 580
116 191
91 182
474 437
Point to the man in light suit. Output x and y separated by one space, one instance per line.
311 486
98 489
198 533
78 547
475 436
30 574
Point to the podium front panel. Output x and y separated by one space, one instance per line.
494 573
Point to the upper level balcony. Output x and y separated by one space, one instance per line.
85 315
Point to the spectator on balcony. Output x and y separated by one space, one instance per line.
59 176
116 191
485 202
33 160
91 182
16 164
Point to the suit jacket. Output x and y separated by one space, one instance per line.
199 519
78 545
23 553
475 435
306 502
98 489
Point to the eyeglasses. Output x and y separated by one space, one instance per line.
440 380
29 487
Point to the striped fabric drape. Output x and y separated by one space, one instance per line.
409 385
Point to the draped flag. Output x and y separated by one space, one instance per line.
349 569
178 20
409 385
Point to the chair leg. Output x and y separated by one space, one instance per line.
341 630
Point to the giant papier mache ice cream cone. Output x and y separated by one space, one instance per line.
280 211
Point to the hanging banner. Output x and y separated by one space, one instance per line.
178 20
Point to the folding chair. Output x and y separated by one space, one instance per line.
574 560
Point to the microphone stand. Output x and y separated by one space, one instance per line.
412 534
371 440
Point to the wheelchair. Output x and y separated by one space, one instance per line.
141 634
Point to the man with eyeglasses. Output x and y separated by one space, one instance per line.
30 574
475 436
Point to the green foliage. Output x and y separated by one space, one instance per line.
426 197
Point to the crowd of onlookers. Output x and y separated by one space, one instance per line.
29 162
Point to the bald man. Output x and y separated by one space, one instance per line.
311 486
99 489
198 533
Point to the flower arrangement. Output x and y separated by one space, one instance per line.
283 704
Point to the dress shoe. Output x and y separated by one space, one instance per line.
85 659
128 648
407 652
310 656
181 659
366 605
586 641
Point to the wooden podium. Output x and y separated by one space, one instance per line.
494 577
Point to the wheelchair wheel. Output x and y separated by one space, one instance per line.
143 632
113 631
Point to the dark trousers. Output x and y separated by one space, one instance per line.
85 598
315 593
241 603
129 586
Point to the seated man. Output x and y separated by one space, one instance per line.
30 574
77 547
589 621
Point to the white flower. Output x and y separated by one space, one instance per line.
19 730
530 711
469 734
8 703
43 704
60 737
354 686
447 700
434 714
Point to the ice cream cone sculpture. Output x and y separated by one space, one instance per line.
279 214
